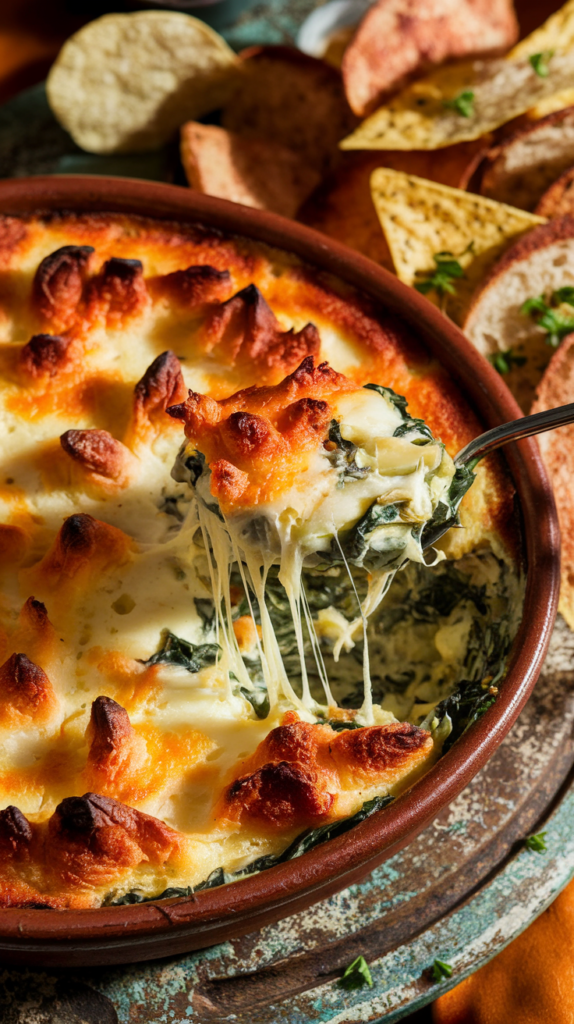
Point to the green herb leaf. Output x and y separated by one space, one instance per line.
259 700
536 843
463 103
564 294
175 651
440 970
506 360
540 62
356 975
448 269
556 323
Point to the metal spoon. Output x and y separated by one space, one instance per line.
495 438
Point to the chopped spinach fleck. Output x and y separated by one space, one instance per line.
410 424
342 457
259 700
189 465
176 651
356 975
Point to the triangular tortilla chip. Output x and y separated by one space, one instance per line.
429 113
556 33
421 219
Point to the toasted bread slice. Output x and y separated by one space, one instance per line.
558 200
524 165
342 205
253 172
400 39
292 99
557 447
536 265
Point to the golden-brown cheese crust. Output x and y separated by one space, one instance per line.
299 770
106 321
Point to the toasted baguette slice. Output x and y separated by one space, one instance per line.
558 200
253 172
557 447
288 97
400 39
522 167
537 264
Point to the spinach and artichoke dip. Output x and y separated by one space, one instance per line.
222 636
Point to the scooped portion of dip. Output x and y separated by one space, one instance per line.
308 474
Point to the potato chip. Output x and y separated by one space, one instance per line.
253 172
287 97
125 82
423 221
460 102
524 165
558 200
557 448
398 39
342 205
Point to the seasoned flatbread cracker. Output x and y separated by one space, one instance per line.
557 448
399 39
342 205
460 102
423 219
125 82
253 172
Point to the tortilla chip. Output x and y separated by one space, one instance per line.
421 219
557 448
556 33
398 39
125 82
496 92
288 97
558 200
253 172
342 205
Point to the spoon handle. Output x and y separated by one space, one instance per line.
513 431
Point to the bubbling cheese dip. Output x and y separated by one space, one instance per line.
313 472
183 669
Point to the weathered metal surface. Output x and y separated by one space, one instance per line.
460 891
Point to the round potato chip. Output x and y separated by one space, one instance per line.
125 82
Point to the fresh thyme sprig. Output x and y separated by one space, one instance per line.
357 974
463 103
505 361
448 269
553 320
